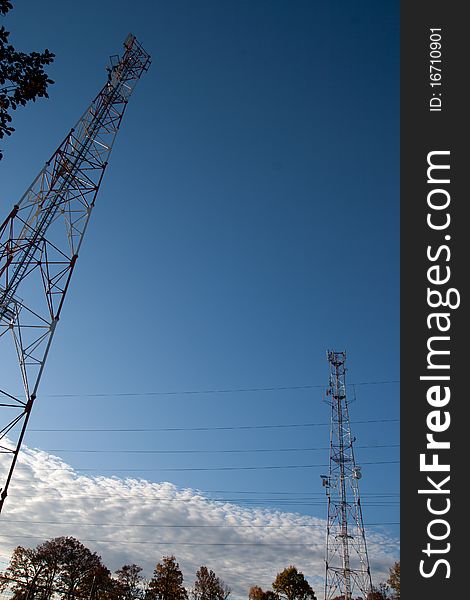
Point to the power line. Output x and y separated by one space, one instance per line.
162 543
199 492
148 525
246 502
248 468
214 391
217 451
207 428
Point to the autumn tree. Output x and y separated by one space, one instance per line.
22 76
25 574
167 581
209 587
78 567
375 594
257 593
394 580
292 585
98 585
129 582
62 566
381 592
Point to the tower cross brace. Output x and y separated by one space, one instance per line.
40 240
346 559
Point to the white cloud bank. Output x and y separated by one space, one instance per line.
124 521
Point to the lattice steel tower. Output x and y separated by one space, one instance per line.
39 245
347 563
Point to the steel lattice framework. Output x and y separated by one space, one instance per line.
40 241
347 562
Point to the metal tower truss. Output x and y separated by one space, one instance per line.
347 563
39 245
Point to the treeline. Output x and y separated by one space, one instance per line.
290 584
64 569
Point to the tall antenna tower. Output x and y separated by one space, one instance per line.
347 563
39 245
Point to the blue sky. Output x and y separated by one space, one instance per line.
247 223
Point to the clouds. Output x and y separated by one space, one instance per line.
130 520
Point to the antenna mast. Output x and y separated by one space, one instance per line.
39 245
347 562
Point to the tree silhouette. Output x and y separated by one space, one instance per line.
61 567
129 582
25 575
77 566
209 587
22 76
167 581
292 585
394 580
257 593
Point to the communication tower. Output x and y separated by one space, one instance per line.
347 563
39 245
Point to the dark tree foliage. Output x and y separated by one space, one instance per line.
98 585
22 76
62 567
375 595
167 581
209 587
394 580
381 592
257 593
25 574
292 585
79 568
129 582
